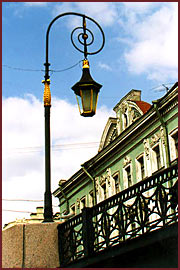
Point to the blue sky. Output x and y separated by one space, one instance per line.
132 31
140 52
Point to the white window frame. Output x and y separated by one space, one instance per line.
125 118
117 174
154 160
104 191
173 151
91 197
125 175
82 205
139 176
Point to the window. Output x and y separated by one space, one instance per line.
175 138
156 150
173 144
128 172
91 198
116 180
125 120
82 203
140 168
103 186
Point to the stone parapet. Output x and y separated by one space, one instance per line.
30 246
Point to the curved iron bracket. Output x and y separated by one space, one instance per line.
82 38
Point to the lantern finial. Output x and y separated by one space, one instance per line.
85 63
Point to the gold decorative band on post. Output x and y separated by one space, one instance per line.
47 93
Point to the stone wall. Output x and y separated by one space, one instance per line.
30 246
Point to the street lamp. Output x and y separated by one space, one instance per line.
86 90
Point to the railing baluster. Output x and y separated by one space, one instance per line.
60 243
87 231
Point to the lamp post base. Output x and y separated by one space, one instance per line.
48 213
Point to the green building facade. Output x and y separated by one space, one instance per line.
141 140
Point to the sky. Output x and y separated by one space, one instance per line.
140 52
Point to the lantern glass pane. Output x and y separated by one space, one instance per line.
86 97
79 103
95 98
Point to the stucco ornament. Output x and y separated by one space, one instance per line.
127 160
114 135
134 114
102 179
146 147
118 125
123 107
155 138
97 184
162 135
108 171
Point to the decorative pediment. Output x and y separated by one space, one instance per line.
134 114
123 107
128 110
109 133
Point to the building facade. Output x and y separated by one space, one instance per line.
141 140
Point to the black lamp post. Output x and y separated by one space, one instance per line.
86 89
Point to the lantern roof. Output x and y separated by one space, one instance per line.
86 80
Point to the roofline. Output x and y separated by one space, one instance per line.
133 90
133 126
169 91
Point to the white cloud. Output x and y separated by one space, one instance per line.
104 12
139 7
150 33
35 4
76 139
154 50
105 66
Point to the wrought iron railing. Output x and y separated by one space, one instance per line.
146 206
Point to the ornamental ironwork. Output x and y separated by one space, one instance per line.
83 35
149 205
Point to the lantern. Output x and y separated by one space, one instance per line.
86 91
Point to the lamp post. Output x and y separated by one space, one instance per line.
86 90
